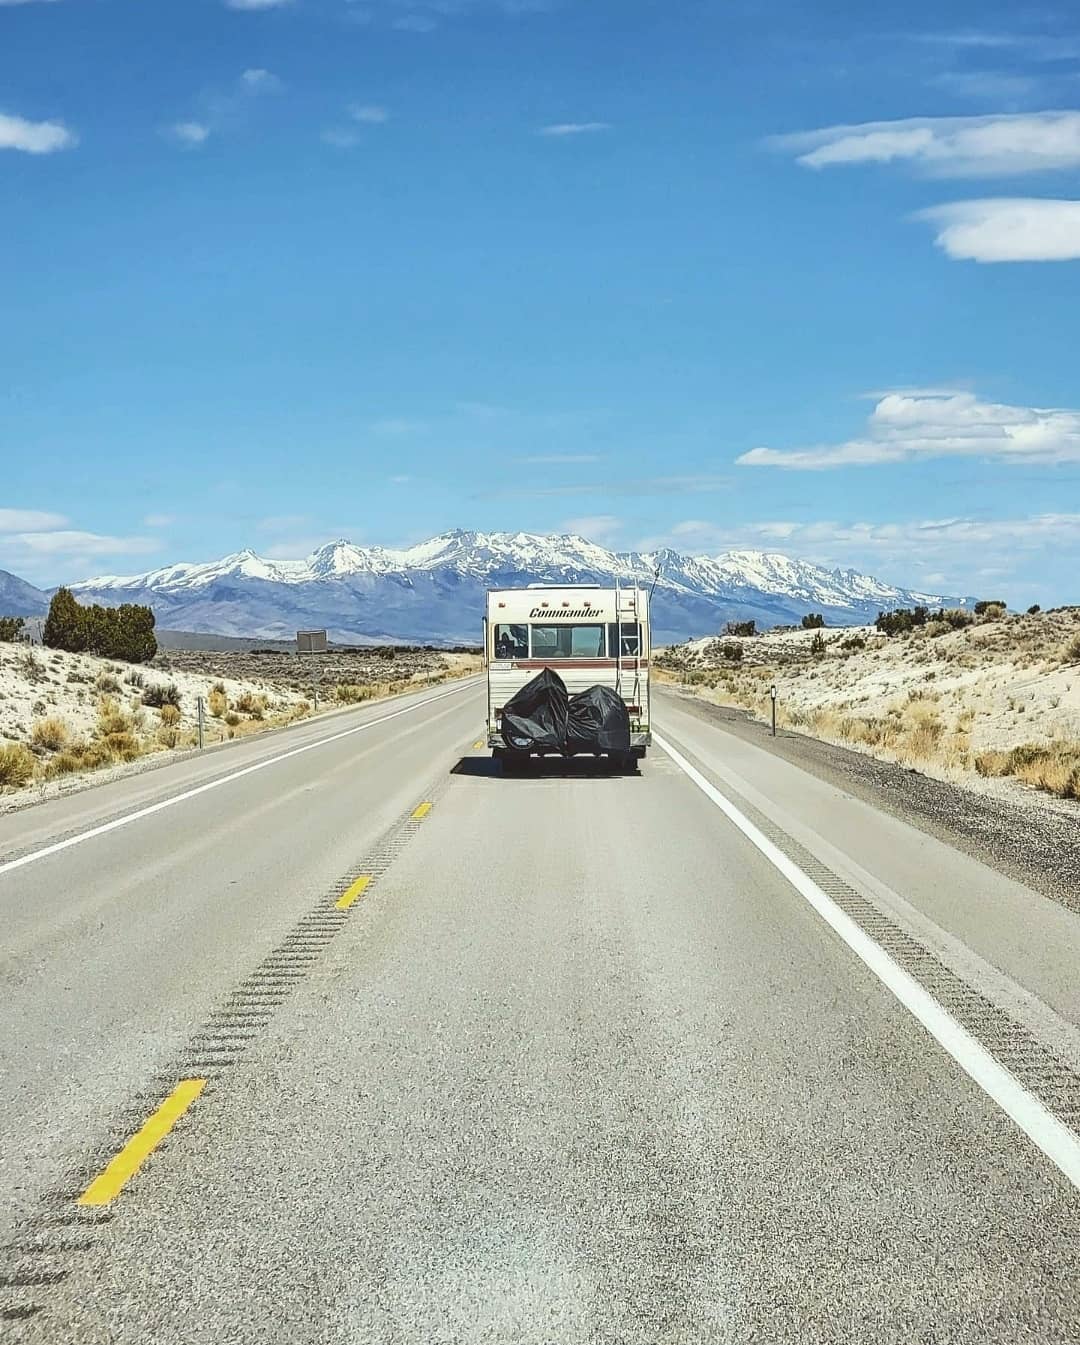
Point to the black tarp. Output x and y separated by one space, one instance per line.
597 721
543 718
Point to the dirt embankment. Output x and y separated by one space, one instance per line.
62 715
996 699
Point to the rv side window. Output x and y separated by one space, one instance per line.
511 642
631 640
567 641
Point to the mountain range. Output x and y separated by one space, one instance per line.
18 598
434 592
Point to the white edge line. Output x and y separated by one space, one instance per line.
149 811
1055 1139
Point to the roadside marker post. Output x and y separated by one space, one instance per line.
199 703
312 642
772 696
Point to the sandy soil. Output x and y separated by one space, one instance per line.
75 713
950 702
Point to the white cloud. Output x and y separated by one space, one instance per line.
260 81
158 520
224 109
568 128
1008 229
35 137
594 527
189 132
1025 142
29 520
905 426
369 114
69 542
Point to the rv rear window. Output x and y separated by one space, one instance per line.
568 641
511 642
631 639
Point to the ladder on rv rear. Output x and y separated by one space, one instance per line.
619 660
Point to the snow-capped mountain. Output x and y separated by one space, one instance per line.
434 592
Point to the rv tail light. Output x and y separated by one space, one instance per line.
633 709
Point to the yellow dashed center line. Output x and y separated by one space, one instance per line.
354 893
135 1152
422 811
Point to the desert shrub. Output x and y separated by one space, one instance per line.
135 679
1054 768
159 694
51 733
741 628
169 714
986 606
218 689
1071 652
10 628
731 650
217 702
123 746
231 718
1034 609
853 643
813 621
106 682
66 763
902 620
112 719
957 617
817 645
351 694
117 735
16 766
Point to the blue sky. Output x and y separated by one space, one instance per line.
793 275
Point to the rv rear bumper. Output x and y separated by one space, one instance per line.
640 739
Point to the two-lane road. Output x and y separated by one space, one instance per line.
585 1060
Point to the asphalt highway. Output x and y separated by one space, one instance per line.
340 1036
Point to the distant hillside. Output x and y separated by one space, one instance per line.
18 598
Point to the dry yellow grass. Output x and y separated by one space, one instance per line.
16 766
217 702
51 733
1053 767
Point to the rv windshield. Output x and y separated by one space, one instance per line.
568 641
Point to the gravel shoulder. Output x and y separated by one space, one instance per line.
1028 836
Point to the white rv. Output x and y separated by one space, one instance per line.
588 635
